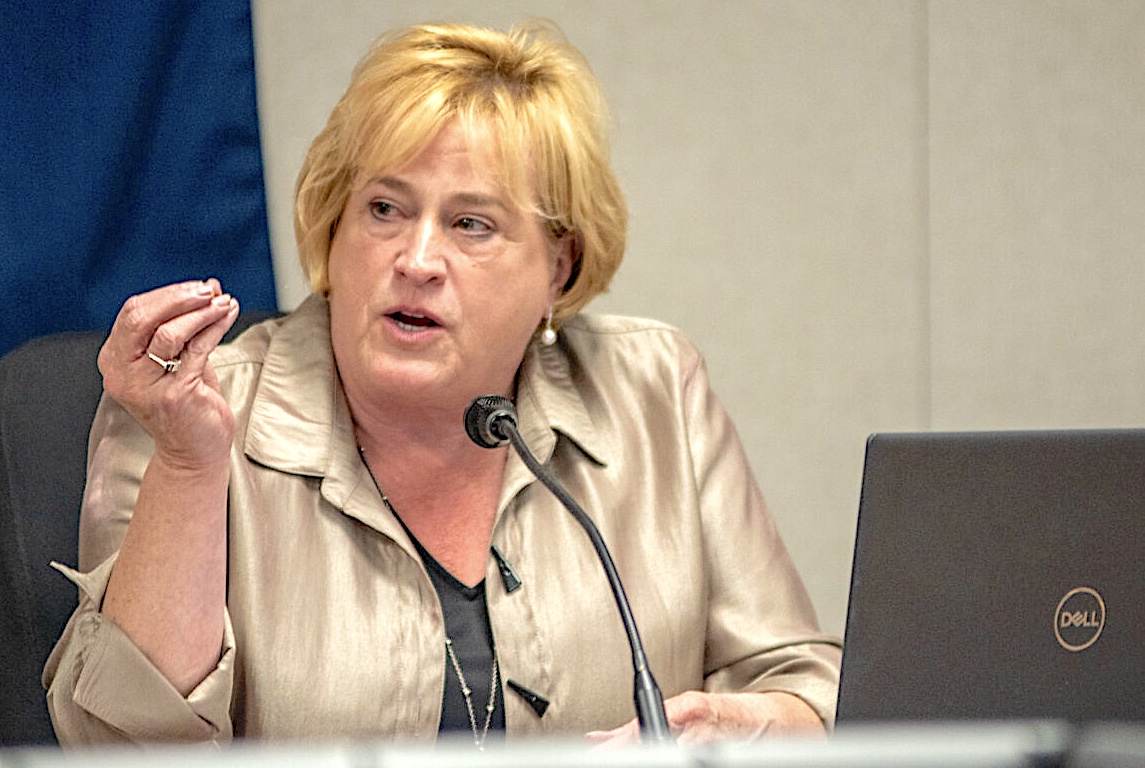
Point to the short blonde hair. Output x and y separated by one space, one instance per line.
530 88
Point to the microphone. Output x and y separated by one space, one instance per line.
484 420
491 422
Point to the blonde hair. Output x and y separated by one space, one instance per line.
537 97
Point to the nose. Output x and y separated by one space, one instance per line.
422 258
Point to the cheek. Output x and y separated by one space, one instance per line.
504 311
350 268
335 264
349 289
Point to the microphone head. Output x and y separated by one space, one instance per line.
484 417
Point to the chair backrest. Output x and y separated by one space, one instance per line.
49 390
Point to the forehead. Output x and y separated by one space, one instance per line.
501 165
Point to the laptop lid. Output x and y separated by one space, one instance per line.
998 575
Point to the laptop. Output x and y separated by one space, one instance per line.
998 575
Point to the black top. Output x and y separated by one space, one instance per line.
467 625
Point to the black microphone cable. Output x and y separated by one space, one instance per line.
491 422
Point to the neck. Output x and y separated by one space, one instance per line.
439 481
445 495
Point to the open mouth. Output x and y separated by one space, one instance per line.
412 322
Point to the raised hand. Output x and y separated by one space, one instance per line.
154 363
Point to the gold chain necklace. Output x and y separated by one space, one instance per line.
478 739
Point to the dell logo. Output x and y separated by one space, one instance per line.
1079 619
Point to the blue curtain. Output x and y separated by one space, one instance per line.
130 158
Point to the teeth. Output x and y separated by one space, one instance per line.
411 322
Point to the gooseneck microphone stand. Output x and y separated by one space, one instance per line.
491 421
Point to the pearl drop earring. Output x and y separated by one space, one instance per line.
549 336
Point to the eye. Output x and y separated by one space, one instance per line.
473 225
382 209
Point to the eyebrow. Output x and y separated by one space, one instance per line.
465 198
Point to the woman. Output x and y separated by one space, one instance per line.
292 535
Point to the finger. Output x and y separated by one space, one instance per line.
629 733
195 334
172 336
680 711
144 312
140 316
200 346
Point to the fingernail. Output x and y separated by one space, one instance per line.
222 300
204 289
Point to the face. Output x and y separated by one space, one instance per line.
437 281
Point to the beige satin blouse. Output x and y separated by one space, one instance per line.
334 628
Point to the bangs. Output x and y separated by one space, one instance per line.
504 136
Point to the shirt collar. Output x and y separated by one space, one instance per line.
549 403
299 414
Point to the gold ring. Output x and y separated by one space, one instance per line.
169 366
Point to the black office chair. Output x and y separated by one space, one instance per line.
49 390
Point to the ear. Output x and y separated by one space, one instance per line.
561 258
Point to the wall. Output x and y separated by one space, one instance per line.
871 216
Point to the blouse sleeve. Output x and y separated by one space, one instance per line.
101 687
762 631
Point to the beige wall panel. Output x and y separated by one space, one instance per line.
773 161
773 158
1038 213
